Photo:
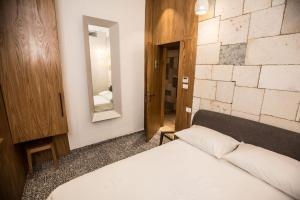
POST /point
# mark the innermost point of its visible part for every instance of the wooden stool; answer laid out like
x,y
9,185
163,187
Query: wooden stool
x,y
168,134
43,147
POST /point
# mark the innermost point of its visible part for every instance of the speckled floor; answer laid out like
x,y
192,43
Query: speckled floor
x,y
81,161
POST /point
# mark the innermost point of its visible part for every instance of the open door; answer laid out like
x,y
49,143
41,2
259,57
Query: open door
x,y
156,74
153,91
152,77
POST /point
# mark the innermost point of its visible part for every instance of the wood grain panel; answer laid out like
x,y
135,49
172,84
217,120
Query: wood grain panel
x,y
148,62
186,69
187,65
190,21
30,70
12,170
175,21
168,19
152,76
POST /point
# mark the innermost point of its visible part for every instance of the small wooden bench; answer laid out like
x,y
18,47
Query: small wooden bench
x,y
30,150
167,134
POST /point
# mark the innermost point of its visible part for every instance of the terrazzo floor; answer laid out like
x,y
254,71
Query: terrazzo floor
x,y
81,161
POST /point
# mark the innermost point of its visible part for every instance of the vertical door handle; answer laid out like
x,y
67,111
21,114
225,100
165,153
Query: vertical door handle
x,y
61,104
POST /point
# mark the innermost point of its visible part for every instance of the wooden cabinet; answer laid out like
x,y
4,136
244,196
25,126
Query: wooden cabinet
x,y
30,70
12,170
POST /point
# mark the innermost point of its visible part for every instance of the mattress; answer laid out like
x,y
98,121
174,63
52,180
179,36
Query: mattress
x,y
102,104
174,171
106,94
99,100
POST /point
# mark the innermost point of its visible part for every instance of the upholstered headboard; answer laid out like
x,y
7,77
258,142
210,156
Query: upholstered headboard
x,y
275,139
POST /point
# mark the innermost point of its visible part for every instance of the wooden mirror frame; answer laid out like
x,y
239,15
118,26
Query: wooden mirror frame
x,y
115,67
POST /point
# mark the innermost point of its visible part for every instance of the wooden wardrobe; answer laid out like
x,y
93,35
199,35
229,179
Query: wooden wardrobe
x,y
12,169
30,71
33,106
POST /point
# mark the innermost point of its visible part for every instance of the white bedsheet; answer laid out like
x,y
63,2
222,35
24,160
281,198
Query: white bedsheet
x,y
106,94
174,171
100,100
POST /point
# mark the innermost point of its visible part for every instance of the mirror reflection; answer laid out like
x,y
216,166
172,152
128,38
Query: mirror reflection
x,y
100,56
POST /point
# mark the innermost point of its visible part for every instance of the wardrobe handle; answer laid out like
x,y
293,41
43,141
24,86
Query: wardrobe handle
x,y
61,104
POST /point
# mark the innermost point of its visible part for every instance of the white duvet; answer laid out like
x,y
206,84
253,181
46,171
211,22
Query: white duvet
x,y
174,171
100,100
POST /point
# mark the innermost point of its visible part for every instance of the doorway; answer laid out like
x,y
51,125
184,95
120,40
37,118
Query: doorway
x,y
169,79
162,96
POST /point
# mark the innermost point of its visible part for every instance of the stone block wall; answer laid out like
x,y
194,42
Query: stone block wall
x,y
248,61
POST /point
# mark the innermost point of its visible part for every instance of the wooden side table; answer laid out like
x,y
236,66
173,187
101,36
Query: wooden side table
x,y
38,148
168,134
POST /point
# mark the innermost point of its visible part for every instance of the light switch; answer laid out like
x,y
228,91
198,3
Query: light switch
x,y
185,86
188,109
185,80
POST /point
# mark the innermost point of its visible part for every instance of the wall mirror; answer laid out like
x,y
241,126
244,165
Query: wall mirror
x,y
101,38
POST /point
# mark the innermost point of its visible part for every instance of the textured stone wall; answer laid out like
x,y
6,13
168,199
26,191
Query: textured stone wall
x,y
248,61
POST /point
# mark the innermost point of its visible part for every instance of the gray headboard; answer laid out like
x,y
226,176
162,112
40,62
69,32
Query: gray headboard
x,y
275,139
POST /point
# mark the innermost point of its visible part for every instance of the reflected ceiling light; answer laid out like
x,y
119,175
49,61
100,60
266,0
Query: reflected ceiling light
x,y
201,7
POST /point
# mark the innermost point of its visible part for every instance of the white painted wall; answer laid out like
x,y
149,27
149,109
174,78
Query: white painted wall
x,y
130,14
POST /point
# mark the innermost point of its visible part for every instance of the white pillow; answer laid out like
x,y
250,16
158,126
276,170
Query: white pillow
x,y
208,140
280,171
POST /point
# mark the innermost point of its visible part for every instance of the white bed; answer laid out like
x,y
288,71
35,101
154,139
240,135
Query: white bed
x,y
174,171
103,101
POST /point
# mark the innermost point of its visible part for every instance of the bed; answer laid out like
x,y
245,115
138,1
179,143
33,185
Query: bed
x,y
180,171
103,101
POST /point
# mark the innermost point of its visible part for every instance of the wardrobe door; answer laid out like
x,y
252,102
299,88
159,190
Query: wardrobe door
x,y
30,71
12,170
